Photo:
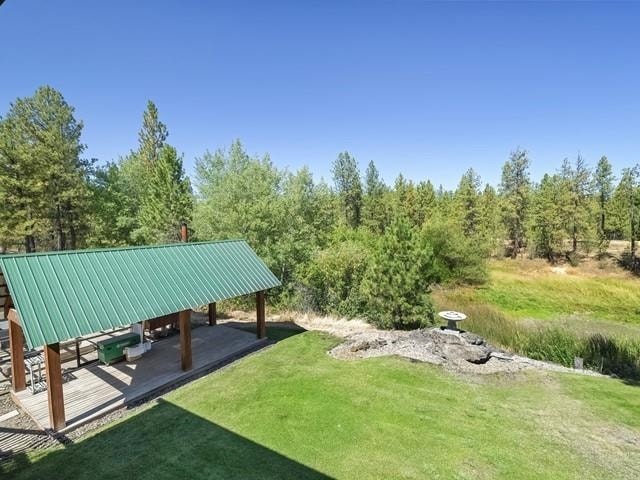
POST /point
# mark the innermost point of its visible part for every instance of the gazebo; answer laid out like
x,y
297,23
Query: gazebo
x,y
56,296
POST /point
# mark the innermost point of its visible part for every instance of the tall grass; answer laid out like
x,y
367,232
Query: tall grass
x,y
541,340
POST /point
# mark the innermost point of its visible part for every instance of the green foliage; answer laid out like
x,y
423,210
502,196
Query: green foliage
x,y
168,201
396,284
113,213
44,193
284,217
467,202
375,210
515,188
346,177
603,179
547,227
577,184
333,276
457,258
490,232
152,136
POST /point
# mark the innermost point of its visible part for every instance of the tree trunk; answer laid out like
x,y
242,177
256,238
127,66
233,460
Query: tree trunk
x,y
73,238
29,243
60,240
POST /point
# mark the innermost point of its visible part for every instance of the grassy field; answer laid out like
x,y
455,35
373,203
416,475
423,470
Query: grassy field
x,y
585,299
535,289
292,411
556,313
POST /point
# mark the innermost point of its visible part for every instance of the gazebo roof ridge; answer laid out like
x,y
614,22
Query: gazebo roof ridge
x,y
117,249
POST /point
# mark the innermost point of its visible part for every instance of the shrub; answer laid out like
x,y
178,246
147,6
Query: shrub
x,y
396,284
456,258
332,278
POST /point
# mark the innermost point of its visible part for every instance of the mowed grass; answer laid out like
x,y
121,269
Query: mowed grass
x,y
292,411
533,289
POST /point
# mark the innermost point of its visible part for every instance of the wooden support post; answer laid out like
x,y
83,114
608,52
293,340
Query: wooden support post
x,y
185,340
261,326
53,371
16,348
78,353
184,233
212,314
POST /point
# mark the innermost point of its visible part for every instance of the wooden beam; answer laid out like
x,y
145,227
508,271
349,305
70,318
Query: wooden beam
x,y
12,316
261,326
53,371
8,303
185,340
212,314
16,348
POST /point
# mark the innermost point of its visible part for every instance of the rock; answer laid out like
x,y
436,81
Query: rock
x,y
501,356
359,346
469,353
472,338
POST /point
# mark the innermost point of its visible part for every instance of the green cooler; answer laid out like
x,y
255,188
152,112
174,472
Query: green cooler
x,y
112,349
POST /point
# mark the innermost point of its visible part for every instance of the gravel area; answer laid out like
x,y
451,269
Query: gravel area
x,y
458,351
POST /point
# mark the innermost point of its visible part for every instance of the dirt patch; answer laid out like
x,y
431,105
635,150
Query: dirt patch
x,y
559,270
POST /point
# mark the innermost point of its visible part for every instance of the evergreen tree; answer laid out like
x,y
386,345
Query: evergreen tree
x,y
136,172
603,179
625,209
346,177
490,234
396,284
426,199
515,189
577,181
42,169
168,200
113,216
152,136
467,199
374,210
405,201
547,217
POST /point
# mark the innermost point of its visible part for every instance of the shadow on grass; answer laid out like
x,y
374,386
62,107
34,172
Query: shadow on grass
x,y
276,331
164,441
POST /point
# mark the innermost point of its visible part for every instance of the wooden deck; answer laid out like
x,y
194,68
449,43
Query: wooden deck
x,y
97,389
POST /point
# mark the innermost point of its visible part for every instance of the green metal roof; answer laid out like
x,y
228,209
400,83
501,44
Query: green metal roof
x,y
63,295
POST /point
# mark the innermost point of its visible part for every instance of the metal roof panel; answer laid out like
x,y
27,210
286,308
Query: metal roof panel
x,y
63,295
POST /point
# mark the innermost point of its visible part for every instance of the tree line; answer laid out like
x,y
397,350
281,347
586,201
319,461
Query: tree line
x,y
355,247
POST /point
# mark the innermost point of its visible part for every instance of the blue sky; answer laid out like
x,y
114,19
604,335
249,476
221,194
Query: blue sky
x,y
426,89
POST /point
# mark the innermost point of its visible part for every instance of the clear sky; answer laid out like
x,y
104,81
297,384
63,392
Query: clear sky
x,y
426,89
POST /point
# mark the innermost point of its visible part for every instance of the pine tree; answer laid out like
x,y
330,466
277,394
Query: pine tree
x,y
625,209
547,217
374,209
42,169
467,200
515,189
426,199
346,177
396,284
490,233
577,181
168,201
152,136
603,179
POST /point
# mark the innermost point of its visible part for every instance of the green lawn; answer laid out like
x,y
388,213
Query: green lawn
x,y
292,411
531,289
